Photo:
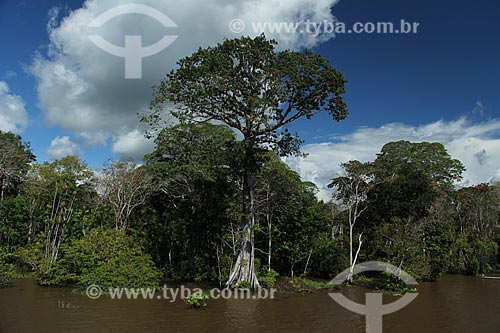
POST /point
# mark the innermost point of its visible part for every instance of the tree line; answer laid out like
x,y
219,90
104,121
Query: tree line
x,y
177,216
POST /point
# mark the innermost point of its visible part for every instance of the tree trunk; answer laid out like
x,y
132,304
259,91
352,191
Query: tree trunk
x,y
269,246
30,228
351,265
2,189
307,262
269,229
244,269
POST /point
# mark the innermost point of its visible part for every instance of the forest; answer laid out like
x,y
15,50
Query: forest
x,y
214,202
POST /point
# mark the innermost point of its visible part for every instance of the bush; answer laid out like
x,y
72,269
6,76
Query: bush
x,y
474,267
198,300
487,252
244,285
7,272
303,285
104,258
29,257
393,285
328,258
267,277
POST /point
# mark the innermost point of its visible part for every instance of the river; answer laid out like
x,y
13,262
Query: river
x,y
453,304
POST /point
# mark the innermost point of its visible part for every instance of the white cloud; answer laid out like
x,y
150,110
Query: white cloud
x,y
61,147
81,88
479,108
13,115
92,139
53,18
132,145
476,145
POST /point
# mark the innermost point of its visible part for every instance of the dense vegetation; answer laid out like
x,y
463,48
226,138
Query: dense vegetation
x,y
58,221
207,206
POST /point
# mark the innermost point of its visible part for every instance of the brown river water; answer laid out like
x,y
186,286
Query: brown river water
x,y
453,304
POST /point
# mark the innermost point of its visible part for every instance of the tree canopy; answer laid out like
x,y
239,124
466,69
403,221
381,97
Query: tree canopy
x,y
15,157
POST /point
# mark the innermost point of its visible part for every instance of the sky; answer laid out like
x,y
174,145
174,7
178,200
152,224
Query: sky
x,y
65,95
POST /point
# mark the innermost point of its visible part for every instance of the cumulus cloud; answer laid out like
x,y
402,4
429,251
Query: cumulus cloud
x,y
81,88
13,115
61,147
476,145
132,145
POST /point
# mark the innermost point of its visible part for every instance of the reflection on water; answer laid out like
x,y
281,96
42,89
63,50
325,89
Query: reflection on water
x,y
454,304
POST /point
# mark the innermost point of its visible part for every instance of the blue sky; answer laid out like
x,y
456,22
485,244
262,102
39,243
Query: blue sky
x,y
441,84
439,73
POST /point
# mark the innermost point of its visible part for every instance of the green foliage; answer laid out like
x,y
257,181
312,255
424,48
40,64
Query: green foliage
x,y
188,223
244,285
190,226
247,85
487,254
429,158
328,258
197,300
297,237
354,186
438,239
7,269
15,157
474,267
409,194
31,255
107,258
14,221
298,85
307,285
267,277
390,284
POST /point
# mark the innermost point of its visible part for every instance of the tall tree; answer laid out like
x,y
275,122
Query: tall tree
x,y
247,85
429,158
413,181
351,191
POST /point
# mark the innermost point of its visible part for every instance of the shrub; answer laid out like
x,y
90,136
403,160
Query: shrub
x,y
6,269
392,285
198,300
328,258
244,285
487,252
304,285
104,258
267,277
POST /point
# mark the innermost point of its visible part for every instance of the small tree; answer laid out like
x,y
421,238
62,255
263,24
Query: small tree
x,y
245,84
352,192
